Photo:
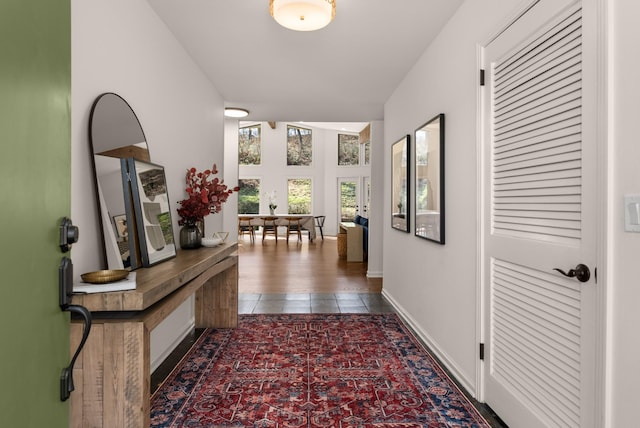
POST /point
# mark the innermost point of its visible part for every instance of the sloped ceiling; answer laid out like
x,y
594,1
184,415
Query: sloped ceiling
x,y
342,73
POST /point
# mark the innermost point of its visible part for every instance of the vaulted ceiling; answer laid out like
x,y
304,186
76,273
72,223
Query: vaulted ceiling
x,y
342,73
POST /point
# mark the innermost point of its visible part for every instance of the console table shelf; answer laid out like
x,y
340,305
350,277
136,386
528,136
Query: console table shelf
x,y
112,374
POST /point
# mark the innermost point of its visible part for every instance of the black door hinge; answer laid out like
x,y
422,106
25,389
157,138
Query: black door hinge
x,y
482,351
481,77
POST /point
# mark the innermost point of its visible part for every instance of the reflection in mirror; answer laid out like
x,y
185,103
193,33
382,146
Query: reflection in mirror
x,y
429,167
115,133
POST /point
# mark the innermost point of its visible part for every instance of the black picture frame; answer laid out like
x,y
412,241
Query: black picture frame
x,y
429,180
151,210
400,185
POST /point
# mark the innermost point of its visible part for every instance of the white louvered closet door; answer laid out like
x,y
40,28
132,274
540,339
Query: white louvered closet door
x,y
539,215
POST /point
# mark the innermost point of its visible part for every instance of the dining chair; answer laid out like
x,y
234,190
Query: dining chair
x,y
294,227
270,227
245,226
320,224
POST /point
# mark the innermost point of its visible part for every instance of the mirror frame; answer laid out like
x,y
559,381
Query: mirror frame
x,y
429,180
149,196
400,185
112,254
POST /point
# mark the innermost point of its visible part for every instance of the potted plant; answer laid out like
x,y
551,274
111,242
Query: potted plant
x,y
205,195
271,199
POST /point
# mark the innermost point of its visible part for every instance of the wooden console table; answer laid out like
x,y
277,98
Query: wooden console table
x,y
112,374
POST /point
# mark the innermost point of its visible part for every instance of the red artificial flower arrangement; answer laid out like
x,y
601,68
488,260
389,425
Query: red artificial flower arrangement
x,y
206,195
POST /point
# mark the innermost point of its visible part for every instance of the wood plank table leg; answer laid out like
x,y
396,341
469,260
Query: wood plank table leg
x,y
114,376
216,303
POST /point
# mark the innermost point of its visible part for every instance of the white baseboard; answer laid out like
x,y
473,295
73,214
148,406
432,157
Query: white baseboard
x,y
433,346
374,274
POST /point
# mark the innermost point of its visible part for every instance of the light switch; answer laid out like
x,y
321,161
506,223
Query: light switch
x,y
632,213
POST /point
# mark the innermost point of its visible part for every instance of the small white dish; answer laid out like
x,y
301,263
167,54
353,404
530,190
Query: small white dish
x,y
211,242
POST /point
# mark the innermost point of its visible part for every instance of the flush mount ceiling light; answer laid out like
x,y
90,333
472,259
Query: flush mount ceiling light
x,y
235,112
303,15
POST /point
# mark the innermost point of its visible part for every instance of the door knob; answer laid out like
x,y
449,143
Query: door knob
x,y
581,273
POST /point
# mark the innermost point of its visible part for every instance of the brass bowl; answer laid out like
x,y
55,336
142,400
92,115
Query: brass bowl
x,y
104,276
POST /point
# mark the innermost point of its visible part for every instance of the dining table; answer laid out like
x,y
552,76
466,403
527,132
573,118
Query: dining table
x,y
306,220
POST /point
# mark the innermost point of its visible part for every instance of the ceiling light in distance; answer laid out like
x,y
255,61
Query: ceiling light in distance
x,y
235,112
303,15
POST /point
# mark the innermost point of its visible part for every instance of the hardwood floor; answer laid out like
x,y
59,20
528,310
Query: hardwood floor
x,y
299,267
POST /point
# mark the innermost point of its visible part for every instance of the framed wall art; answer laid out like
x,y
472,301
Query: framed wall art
x,y
429,180
400,167
151,210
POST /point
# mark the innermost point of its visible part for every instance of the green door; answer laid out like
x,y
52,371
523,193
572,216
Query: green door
x,y
35,193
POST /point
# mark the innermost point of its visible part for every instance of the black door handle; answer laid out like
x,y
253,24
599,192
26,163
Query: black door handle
x,y
68,234
581,273
66,378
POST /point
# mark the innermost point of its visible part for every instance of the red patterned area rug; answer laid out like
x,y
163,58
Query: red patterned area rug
x,y
334,370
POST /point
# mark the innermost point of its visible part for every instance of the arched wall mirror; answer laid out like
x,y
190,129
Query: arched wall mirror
x,y
114,134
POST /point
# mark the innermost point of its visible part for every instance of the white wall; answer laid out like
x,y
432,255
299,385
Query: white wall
x,y
121,46
230,221
624,167
378,206
443,306
435,285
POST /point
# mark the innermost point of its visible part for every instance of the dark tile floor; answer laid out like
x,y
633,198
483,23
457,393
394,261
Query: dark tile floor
x,y
312,303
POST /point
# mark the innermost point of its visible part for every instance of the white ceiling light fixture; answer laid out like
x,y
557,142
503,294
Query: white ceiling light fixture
x,y
235,112
303,15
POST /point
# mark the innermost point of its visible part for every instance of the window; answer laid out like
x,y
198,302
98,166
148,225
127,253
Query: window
x,y
367,152
299,146
249,145
348,150
249,196
348,194
299,195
